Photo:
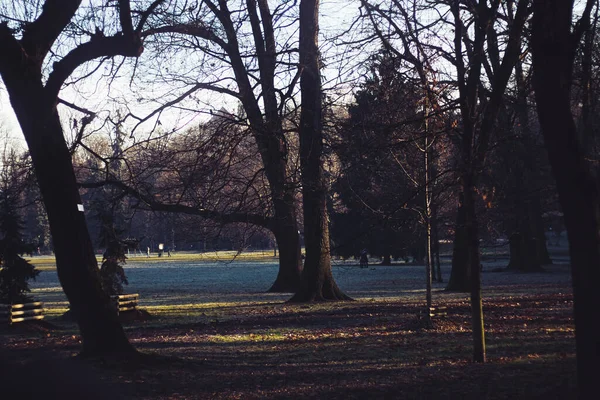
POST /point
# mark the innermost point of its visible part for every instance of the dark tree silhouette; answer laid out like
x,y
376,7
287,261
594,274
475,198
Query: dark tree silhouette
x,y
317,278
554,44
34,99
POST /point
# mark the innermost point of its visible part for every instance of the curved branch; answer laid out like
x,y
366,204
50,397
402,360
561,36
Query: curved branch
x,y
98,46
183,96
188,29
146,15
148,200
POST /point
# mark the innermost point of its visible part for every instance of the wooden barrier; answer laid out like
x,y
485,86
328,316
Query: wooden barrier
x,y
12,313
439,311
125,302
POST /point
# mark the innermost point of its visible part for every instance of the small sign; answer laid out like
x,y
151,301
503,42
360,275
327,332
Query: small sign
x,y
80,207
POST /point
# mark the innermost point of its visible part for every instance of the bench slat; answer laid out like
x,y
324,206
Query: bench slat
x,y
21,319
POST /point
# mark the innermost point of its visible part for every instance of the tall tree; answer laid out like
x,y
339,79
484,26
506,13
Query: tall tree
x,y
482,68
254,67
479,109
34,97
554,44
404,25
317,278
380,177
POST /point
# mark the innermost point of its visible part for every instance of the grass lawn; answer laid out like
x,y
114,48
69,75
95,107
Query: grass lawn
x,y
254,346
48,263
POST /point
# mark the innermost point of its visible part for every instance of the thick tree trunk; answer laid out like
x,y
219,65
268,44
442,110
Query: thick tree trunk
x,y
553,51
317,278
523,245
285,226
460,275
530,212
290,260
515,245
75,260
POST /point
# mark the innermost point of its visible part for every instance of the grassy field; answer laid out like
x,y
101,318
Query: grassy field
x,y
216,340
48,263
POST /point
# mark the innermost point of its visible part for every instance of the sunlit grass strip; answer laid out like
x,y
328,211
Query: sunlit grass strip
x,y
48,263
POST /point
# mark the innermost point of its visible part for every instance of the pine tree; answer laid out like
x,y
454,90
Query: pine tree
x,y
112,273
15,271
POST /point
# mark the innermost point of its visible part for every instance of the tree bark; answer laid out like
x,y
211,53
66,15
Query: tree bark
x,y
290,261
553,46
317,278
76,263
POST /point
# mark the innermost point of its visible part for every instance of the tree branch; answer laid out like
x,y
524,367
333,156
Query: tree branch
x,y
40,35
98,46
188,29
146,14
148,200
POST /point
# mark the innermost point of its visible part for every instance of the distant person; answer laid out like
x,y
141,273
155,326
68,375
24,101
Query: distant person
x,y
148,251
364,260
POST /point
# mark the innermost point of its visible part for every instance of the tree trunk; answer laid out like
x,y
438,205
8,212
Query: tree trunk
x,y
317,278
268,132
515,245
76,263
460,275
553,51
474,262
523,245
530,174
436,244
387,260
428,217
539,231
290,261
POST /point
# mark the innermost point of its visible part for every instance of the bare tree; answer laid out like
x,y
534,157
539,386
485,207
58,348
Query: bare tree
x,y
34,87
317,278
242,49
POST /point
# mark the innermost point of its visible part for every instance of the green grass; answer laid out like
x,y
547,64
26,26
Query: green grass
x,y
48,263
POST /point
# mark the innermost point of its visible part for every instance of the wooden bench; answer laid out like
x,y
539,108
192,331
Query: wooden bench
x,y
125,302
13,313
439,311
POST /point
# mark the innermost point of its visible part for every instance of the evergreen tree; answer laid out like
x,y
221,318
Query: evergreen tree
x,y
378,189
14,270
112,273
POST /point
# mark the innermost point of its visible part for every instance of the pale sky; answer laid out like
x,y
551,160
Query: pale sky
x,y
335,15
